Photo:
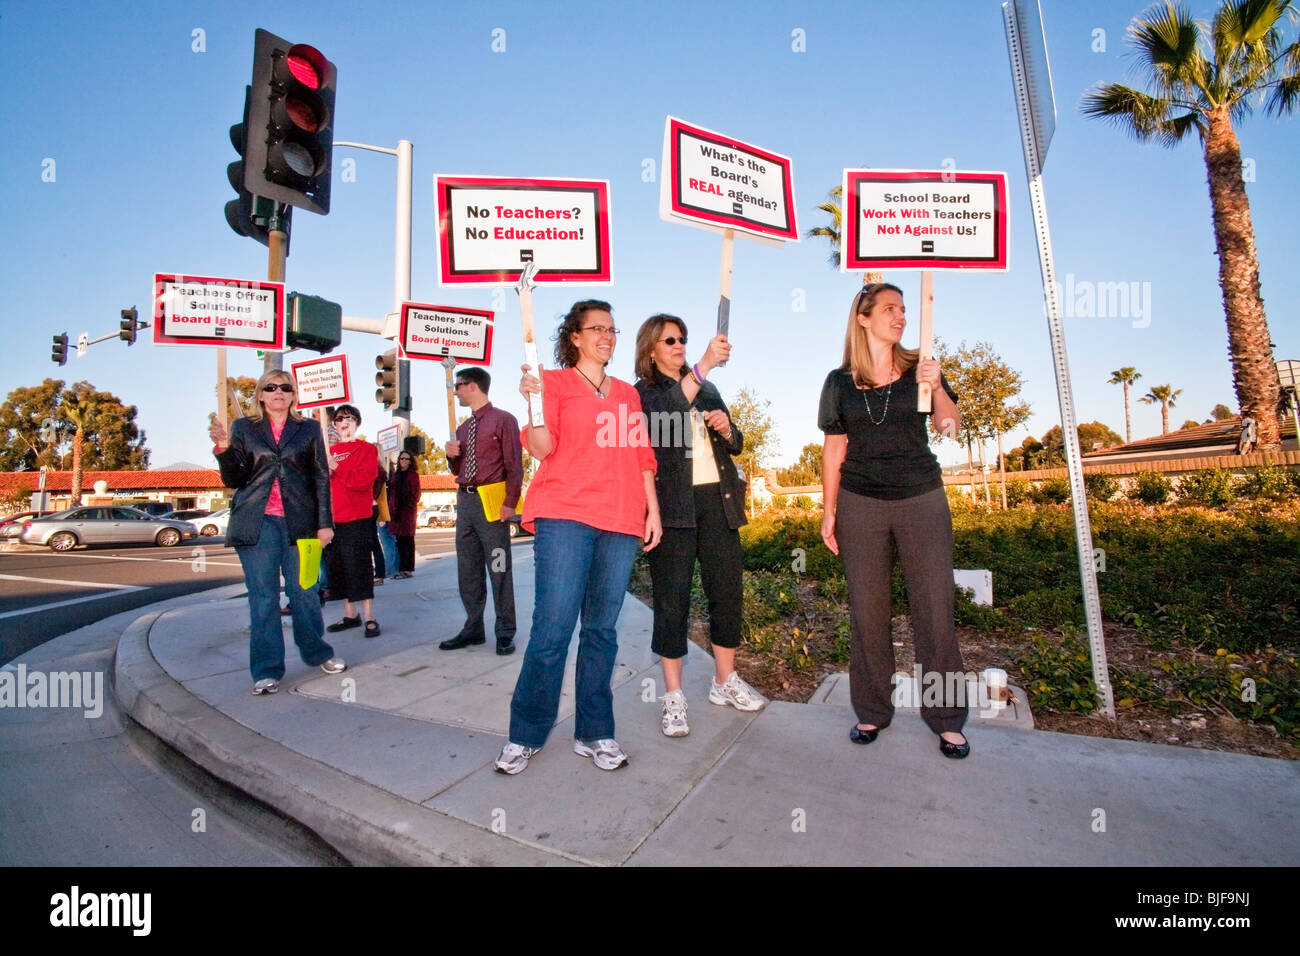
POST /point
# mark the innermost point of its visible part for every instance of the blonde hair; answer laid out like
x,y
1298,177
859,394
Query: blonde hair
x,y
857,347
276,375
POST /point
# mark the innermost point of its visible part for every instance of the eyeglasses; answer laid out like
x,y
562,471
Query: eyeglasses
x,y
345,417
601,329
458,385
673,340
405,458
282,387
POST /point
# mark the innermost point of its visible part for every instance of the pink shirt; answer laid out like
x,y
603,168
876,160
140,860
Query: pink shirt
x,y
602,447
274,503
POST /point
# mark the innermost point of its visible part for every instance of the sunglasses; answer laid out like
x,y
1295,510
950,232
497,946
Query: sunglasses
x,y
282,387
673,340
345,417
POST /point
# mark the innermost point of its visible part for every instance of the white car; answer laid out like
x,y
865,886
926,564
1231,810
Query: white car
x,y
213,524
439,516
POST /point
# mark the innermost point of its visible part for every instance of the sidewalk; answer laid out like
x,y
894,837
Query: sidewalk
x,y
391,762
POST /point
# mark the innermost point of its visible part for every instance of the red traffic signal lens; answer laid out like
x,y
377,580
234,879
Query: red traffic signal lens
x,y
306,64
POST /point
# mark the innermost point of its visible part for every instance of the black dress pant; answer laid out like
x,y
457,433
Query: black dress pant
x,y
484,546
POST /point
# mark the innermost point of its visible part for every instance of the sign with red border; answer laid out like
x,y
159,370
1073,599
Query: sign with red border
x,y
488,228
924,219
322,381
440,331
717,182
389,439
202,310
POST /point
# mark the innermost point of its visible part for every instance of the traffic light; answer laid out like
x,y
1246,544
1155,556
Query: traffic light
x,y
250,215
414,445
289,150
313,323
129,324
386,378
404,385
60,350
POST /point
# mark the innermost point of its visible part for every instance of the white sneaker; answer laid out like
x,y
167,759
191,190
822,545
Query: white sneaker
x,y
335,665
607,754
674,720
265,686
736,693
514,758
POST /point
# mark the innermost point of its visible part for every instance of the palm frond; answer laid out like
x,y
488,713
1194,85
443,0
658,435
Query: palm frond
x,y
1166,40
1139,114
1285,97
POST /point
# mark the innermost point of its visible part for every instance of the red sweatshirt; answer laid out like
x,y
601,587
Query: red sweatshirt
x,y
352,482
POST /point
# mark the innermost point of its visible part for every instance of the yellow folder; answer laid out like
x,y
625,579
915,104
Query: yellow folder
x,y
493,497
308,562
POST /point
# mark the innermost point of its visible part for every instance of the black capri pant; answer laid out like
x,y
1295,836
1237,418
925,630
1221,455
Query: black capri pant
x,y
672,564
352,573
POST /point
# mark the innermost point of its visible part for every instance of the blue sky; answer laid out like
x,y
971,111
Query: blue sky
x,y
137,122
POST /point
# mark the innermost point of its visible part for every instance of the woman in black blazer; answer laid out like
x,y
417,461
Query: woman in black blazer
x,y
701,504
276,461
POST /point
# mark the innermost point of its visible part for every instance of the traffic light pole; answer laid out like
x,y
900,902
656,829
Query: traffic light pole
x,y
276,252
402,237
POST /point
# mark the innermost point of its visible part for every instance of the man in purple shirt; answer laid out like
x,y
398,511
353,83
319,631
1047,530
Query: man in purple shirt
x,y
486,451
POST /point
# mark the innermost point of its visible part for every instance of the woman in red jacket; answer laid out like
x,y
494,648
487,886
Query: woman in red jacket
x,y
354,466
403,504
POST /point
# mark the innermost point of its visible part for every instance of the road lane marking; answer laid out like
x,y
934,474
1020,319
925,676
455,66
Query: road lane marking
x,y
119,589
71,584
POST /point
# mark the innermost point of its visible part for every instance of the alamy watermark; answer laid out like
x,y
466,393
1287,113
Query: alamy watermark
x,y
1085,299
83,690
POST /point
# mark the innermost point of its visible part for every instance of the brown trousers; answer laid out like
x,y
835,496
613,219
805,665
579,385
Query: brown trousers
x,y
921,527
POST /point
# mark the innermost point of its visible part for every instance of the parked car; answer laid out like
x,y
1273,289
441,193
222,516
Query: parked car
x,y
189,515
439,516
213,524
155,508
104,525
12,526
517,529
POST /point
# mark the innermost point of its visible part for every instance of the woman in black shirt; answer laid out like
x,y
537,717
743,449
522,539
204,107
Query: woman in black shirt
x,y
881,481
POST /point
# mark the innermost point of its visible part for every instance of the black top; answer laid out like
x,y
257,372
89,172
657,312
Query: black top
x,y
667,412
890,460
254,461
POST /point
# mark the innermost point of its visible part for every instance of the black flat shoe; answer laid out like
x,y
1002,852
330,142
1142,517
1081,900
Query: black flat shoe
x,y
955,751
372,628
345,624
860,736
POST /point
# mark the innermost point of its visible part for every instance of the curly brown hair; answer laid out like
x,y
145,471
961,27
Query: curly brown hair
x,y
566,353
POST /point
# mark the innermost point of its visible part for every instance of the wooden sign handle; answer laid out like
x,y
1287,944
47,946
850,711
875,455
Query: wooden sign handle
x,y
923,396
449,365
525,290
724,285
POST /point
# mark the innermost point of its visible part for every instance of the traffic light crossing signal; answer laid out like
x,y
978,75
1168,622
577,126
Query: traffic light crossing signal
x,y
59,353
394,381
129,325
288,153
313,323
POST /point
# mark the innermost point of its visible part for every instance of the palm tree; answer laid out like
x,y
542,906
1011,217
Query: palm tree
x,y
1165,395
78,413
1126,376
832,232
1204,83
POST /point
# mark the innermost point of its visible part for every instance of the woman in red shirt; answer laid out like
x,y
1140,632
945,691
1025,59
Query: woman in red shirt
x,y
354,466
590,504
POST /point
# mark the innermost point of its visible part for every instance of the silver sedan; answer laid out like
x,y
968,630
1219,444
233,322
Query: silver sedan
x,y
104,525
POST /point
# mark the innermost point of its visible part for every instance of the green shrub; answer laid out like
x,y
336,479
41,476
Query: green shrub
x,y
1210,486
1054,491
803,503
1058,674
1018,492
1100,486
1268,482
780,502
1151,488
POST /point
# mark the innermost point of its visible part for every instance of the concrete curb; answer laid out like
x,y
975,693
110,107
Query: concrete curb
x,y
367,825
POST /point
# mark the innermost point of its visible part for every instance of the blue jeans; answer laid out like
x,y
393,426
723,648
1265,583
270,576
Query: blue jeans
x,y
275,553
388,544
578,569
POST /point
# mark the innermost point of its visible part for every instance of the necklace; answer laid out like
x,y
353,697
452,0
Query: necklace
x,y
885,413
603,377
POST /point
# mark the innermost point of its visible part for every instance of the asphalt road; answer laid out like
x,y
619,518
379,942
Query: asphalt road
x,y
44,594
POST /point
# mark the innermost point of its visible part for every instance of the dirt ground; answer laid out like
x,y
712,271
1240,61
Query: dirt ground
x,y
1202,728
